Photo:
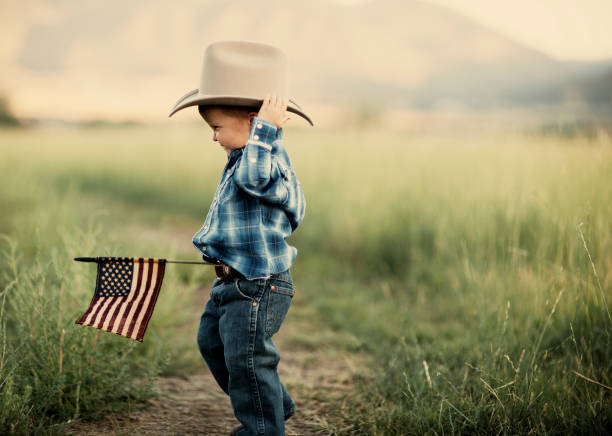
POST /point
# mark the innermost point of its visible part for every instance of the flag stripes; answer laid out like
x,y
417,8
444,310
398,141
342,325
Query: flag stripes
x,y
125,313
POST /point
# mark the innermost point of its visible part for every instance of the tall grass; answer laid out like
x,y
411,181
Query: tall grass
x,y
476,271
478,280
52,372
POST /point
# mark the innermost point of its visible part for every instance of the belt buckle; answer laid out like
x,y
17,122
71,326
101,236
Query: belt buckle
x,y
223,271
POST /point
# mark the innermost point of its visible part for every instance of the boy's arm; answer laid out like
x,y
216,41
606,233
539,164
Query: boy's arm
x,y
262,174
257,170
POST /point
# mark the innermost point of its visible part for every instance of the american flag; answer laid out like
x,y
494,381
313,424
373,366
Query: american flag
x,y
125,295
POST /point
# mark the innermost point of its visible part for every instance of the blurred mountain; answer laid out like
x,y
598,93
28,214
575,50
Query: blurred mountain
x,y
6,116
395,53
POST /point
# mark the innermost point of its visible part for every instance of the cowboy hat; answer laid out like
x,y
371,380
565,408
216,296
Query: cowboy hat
x,y
240,73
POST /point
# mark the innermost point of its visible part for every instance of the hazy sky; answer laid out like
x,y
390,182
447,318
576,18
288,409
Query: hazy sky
x,y
118,59
564,29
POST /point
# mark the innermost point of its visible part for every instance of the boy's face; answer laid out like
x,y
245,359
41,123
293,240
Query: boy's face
x,y
231,130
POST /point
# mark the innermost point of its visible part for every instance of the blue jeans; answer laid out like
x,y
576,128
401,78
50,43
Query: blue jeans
x,y
235,339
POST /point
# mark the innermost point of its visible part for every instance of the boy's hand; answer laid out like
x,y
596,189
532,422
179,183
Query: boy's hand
x,y
274,110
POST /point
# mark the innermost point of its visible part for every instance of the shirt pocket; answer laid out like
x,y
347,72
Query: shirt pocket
x,y
279,301
229,191
282,188
228,188
284,172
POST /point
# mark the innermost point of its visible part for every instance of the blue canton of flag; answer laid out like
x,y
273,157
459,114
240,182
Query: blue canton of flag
x,y
115,278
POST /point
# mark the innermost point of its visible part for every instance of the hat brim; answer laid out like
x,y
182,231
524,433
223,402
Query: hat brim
x,y
194,98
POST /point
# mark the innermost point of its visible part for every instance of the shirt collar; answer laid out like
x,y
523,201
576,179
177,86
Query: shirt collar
x,y
233,156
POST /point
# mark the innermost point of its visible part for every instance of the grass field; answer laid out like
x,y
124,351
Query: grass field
x,y
476,271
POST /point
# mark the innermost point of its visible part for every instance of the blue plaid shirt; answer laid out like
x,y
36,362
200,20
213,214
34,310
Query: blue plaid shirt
x,y
258,203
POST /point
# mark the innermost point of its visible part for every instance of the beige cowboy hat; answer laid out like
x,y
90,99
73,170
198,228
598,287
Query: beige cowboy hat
x,y
240,73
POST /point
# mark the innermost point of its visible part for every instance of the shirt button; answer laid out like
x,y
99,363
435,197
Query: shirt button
x,y
203,247
259,126
256,137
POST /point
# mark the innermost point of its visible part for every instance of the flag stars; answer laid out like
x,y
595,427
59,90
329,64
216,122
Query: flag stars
x,y
116,277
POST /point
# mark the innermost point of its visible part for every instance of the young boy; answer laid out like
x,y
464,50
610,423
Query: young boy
x,y
258,203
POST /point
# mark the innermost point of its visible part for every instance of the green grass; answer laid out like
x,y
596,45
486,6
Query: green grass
x,y
459,264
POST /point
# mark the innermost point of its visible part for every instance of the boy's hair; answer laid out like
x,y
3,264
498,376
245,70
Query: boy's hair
x,y
235,111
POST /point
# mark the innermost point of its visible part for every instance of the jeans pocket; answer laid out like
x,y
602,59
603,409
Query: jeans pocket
x,y
245,289
279,300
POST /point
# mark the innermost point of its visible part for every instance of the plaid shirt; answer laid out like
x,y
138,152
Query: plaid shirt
x,y
258,203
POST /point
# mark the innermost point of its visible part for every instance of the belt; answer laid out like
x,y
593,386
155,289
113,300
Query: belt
x,y
222,271
225,272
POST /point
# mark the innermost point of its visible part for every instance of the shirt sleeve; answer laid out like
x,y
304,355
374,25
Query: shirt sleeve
x,y
258,173
263,174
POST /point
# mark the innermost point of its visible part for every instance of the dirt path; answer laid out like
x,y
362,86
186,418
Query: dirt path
x,y
318,380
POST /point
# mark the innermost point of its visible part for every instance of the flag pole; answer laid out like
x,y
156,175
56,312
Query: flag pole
x,y
190,262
